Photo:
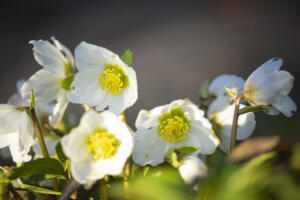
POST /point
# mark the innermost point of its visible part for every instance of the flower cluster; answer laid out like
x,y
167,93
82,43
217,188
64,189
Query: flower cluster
x,y
178,133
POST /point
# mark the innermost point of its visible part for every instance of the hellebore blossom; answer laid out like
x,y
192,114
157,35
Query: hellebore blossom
x,y
54,80
192,168
103,80
178,124
16,132
99,146
220,114
270,86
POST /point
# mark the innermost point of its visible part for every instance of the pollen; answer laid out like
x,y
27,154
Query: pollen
x,y
173,125
102,144
113,79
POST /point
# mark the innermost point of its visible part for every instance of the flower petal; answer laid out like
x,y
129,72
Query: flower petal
x,y
74,144
127,97
10,119
86,88
285,105
147,119
89,56
59,110
219,104
149,148
231,81
274,64
191,111
81,170
49,57
192,168
203,131
64,49
46,87
8,139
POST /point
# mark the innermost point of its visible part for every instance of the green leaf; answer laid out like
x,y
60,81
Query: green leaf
x,y
127,57
253,109
32,100
39,166
60,154
204,90
187,149
232,92
36,189
3,178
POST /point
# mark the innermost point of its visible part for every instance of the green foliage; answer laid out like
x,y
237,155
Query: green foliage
x,y
253,109
36,189
161,183
39,166
204,90
127,57
4,180
61,156
257,179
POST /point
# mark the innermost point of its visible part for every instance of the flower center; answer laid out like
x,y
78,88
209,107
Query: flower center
x,y
173,125
102,144
113,79
250,93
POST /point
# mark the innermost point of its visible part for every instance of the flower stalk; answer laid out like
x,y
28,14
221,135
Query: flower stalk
x,y
42,143
235,121
103,189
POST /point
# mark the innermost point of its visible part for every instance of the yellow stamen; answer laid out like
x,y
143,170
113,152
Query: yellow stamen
x,y
113,79
173,126
102,144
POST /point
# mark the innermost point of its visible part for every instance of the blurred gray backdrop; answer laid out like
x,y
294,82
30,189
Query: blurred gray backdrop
x,y
177,45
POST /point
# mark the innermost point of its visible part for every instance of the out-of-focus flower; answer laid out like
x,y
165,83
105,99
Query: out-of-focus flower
x,y
230,81
192,168
50,144
103,80
52,82
99,146
16,132
270,86
220,114
178,124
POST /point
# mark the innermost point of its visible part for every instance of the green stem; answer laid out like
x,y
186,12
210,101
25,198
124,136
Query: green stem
x,y
235,122
44,149
103,189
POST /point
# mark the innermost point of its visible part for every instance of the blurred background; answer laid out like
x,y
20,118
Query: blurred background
x,y
177,45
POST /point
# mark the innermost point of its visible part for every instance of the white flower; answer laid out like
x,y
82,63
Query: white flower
x,y
220,114
178,124
16,132
192,168
103,80
230,81
52,82
99,146
270,86
43,110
